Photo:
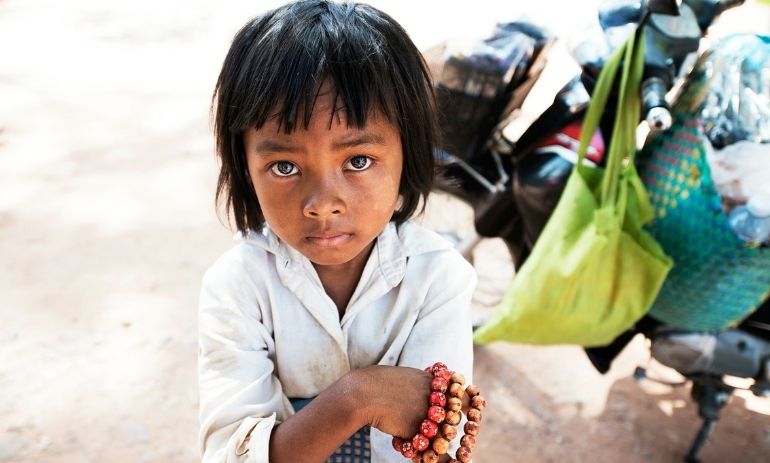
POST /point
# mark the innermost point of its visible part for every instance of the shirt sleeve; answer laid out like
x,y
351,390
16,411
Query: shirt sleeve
x,y
442,333
241,398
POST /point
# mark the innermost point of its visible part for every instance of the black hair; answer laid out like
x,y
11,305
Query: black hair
x,y
275,67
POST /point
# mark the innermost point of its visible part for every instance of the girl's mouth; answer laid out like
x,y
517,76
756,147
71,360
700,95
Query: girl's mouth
x,y
329,239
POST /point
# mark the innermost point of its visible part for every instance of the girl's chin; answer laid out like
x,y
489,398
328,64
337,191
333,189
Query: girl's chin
x,y
331,257
335,256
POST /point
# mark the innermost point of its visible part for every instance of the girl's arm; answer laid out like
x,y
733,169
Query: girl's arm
x,y
392,399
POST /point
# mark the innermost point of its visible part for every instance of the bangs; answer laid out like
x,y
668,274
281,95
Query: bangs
x,y
284,70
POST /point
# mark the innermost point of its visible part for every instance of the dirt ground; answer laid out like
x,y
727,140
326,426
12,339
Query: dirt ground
x,y
107,223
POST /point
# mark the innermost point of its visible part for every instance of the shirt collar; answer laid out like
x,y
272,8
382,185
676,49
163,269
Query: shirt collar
x,y
392,249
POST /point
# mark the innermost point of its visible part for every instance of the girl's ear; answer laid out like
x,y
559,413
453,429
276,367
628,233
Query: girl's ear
x,y
399,203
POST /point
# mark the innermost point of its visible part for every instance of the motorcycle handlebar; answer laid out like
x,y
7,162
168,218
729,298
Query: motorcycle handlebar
x,y
707,11
655,109
727,4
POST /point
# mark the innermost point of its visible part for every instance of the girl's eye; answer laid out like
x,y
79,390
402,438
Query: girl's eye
x,y
359,162
284,168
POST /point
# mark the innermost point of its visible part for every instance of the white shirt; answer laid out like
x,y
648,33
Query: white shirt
x,y
269,331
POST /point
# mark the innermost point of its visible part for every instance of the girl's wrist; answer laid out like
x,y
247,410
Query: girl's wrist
x,y
355,389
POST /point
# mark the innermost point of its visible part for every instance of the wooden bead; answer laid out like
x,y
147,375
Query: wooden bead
x,y
456,390
439,384
458,378
478,402
448,431
468,441
455,404
440,445
463,454
453,460
429,456
417,458
472,428
472,390
452,417
474,414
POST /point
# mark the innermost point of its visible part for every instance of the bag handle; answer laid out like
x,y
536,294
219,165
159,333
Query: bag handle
x,y
623,145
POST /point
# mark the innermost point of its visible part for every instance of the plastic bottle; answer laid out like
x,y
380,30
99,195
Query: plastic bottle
x,y
751,221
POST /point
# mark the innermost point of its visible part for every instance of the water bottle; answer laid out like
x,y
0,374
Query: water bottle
x,y
751,221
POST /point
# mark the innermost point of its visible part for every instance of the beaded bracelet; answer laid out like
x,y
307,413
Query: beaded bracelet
x,y
444,414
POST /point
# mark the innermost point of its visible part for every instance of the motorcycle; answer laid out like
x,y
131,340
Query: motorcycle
x,y
513,186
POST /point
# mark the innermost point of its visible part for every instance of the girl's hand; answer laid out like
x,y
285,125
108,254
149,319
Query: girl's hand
x,y
393,399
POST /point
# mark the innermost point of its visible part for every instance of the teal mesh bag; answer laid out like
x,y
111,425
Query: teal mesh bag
x,y
717,279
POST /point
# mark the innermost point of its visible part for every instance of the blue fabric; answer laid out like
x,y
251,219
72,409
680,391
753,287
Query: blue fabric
x,y
356,449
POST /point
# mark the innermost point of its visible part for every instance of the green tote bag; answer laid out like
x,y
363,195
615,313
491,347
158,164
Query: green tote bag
x,y
594,271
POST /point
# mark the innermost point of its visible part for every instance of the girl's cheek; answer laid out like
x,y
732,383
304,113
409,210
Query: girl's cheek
x,y
381,198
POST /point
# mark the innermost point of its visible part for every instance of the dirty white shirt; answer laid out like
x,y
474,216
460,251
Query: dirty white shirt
x,y
268,331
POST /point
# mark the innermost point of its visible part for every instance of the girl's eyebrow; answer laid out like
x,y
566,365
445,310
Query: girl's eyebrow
x,y
365,138
271,145
274,146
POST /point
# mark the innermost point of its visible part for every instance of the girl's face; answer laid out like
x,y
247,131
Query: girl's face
x,y
327,191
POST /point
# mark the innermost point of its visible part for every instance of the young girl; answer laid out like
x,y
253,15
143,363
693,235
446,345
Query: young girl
x,y
324,120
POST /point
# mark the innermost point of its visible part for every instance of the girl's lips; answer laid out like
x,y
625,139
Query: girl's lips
x,y
328,240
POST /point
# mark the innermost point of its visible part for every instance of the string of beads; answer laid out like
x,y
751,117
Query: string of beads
x,y
444,414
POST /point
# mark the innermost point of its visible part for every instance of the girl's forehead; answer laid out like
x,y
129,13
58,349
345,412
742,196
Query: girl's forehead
x,y
327,107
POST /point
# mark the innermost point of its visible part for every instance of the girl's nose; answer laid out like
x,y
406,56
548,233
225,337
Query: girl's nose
x,y
324,201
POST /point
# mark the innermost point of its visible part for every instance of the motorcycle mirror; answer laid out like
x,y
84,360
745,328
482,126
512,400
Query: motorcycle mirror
x,y
667,7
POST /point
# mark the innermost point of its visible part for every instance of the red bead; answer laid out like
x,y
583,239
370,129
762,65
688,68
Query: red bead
x,y
446,374
437,398
420,442
436,414
439,384
407,450
438,366
428,429
397,442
